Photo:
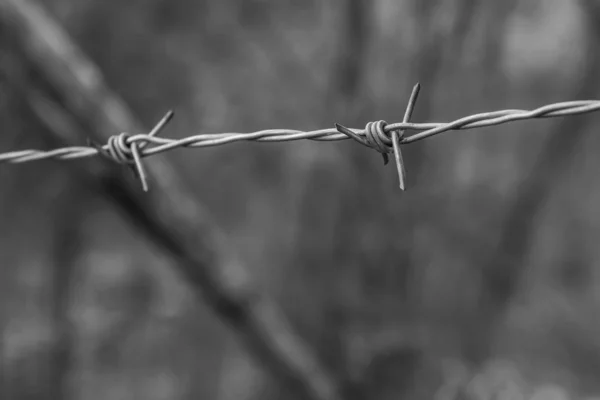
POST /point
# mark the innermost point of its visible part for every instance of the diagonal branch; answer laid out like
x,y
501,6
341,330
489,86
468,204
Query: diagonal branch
x,y
502,272
66,247
169,215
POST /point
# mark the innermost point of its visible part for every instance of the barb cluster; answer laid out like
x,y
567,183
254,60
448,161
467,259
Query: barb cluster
x,y
129,149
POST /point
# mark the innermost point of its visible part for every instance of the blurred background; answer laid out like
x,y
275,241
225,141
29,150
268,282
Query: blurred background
x,y
478,282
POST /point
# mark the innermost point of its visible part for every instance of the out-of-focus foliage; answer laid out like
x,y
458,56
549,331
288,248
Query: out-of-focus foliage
x,y
481,279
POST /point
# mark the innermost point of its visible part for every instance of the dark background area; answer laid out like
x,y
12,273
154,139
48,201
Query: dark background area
x,y
481,279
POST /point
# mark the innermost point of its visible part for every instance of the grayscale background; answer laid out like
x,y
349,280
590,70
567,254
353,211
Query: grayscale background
x,y
481,281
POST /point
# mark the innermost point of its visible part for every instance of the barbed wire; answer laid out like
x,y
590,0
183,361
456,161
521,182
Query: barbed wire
x,y
385,138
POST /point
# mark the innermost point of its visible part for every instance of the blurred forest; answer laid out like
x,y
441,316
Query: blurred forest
x,y
479,281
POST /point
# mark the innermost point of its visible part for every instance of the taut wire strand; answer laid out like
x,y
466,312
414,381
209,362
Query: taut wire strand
x,y
129,149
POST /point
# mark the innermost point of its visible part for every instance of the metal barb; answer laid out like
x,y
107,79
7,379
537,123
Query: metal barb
x,y
162,123
397,135
141,171
348,132
136,148
386,159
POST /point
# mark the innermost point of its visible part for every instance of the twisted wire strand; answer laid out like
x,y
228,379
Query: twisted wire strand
x,y
149,144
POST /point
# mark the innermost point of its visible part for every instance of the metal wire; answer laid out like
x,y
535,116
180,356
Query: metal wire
x,y
130,149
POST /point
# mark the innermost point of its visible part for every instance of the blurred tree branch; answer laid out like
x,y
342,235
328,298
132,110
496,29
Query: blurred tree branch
x,y
67,241
346,83
317,256
169,215
592,11
498,14
466,12
439,43
501,273
347,71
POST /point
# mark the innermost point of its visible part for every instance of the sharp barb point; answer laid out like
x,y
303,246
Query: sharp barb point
x,y
169,116
399,160
348,132
162,123
138,166
341,128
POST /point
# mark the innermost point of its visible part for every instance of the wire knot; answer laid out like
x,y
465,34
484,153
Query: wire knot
x,y
375,136
122,150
